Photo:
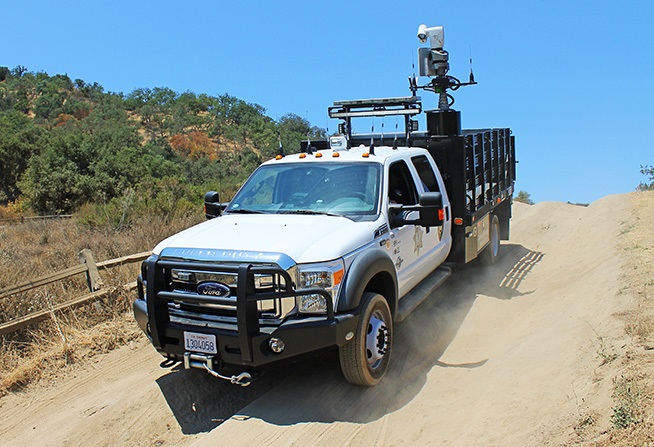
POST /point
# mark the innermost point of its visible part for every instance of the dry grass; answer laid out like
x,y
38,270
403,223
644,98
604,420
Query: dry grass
x,y
632,413
638,243
32,249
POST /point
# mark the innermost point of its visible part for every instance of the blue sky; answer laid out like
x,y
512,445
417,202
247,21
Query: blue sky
x,y
573,79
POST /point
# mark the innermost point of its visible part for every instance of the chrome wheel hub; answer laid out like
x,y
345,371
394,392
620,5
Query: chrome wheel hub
x,y
376,339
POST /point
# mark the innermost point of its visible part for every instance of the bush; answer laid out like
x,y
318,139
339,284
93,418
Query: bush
x,y
523,197
168,199
649,172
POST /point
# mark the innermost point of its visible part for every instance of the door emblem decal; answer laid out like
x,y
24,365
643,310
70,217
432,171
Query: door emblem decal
x,y
417,240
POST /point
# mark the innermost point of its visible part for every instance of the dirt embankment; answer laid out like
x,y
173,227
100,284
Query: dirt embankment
x,y
527,354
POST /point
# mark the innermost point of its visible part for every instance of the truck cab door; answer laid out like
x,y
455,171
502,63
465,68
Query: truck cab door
x,y
407,242
439,239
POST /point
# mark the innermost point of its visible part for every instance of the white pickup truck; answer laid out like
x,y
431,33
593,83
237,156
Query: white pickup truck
x,y
326,248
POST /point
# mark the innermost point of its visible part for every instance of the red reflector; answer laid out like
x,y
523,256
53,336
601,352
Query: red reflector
x,y
441,214
458,221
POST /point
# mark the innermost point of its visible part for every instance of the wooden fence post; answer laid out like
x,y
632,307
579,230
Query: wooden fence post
x,y
93,278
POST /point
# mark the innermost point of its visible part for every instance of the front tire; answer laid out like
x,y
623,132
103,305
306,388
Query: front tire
x,y
364,360
492,251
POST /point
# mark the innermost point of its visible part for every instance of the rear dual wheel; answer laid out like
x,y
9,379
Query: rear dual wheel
x,y
492,251
364,359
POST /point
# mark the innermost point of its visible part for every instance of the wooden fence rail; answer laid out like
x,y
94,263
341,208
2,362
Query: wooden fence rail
x,y
94,281
31,218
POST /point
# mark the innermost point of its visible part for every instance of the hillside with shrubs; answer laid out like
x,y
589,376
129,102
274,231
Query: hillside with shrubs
x,y
68,145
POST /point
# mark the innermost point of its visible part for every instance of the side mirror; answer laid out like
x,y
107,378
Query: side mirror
x,y
212,206
430,211
431,199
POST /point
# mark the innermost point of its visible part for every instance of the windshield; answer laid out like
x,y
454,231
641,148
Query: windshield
x,y
343,189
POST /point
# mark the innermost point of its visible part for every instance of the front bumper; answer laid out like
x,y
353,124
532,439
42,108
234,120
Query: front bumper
x,y
247,342
300,336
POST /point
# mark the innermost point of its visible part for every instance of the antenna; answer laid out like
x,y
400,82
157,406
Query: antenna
x,y
413,84
395,138
472,76
280,152
306,118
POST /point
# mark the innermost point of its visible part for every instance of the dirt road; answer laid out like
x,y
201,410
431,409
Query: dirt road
x,y
506,356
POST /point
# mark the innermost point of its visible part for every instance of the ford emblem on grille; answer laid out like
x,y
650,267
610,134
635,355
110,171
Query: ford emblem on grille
x,y
213,288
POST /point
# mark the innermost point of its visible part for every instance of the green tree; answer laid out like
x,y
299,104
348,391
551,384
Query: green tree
x,y
4,73
84,145
524,197
649,172
24,88
48,105
53,178
18,71
18,142
293,129
7,98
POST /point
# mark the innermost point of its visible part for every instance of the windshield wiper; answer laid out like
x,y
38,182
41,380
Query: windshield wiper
x,y
244,211
310,212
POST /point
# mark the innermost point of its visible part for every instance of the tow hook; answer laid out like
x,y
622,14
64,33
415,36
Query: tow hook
x,y
201,361
243,379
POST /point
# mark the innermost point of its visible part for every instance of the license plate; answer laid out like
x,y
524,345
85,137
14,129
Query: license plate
x,y
205,343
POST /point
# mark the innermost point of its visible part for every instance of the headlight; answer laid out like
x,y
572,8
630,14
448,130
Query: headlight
x,y
141,281
326,275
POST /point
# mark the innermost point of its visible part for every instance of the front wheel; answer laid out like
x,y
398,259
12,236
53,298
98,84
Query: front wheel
x,y
364,359
492,251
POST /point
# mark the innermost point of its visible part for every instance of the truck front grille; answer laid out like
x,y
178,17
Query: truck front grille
x,y
185,300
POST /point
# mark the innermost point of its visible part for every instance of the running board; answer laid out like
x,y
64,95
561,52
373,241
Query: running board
x,y
420,292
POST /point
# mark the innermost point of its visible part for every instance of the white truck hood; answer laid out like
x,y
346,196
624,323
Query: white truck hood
x,y
304,238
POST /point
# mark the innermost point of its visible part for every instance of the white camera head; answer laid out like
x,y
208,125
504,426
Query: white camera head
x,y
422,33
435,35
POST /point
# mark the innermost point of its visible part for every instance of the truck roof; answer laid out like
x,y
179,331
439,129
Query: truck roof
x,y
357,154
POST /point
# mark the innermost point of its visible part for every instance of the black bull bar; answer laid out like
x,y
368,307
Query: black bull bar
x,y
247,297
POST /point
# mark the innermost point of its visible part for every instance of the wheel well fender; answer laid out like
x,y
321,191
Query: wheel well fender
x,y
372,271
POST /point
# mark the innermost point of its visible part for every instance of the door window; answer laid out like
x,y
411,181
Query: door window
x,y
426,173
401,189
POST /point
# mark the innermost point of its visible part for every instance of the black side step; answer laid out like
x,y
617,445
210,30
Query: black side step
x,y
420,292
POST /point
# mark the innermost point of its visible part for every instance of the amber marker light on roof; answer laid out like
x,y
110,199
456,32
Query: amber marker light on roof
x,y
279,157
318,155
336,154
303,155
365,155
